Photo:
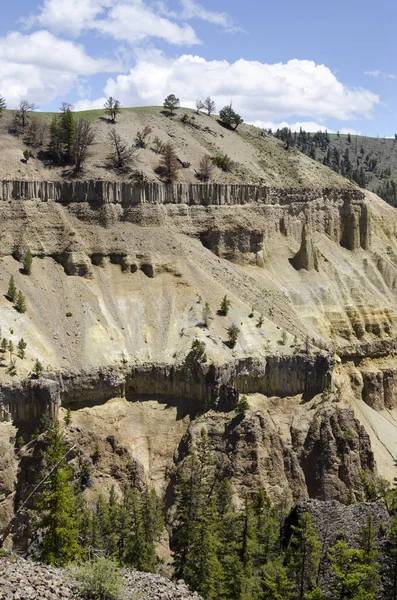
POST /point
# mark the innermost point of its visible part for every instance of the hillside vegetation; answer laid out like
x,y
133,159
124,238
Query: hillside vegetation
x,y
247,155
369,162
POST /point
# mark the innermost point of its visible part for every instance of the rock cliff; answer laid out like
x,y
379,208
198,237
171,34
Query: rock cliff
x,y
126,277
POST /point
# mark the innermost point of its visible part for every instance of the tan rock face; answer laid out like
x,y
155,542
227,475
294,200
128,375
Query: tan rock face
x,y
120,281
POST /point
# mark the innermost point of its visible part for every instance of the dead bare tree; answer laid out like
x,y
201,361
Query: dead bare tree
x,y
84,138
199,105
123,156
25,108
206,168
209,105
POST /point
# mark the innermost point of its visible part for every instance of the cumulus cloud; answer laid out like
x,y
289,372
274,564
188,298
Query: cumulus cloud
x,y
67,16
259,91
41,67
133,22
126,20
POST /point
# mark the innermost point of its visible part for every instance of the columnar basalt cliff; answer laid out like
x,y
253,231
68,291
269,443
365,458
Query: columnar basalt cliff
x,y
106,192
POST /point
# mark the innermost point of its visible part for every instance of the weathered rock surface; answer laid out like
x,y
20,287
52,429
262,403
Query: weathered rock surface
x,y
334,521
282,446
24,580
121,277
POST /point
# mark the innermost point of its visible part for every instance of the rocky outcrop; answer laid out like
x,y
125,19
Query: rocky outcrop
x,y
32,581
335,454
323,456
306,257
29,400
334,521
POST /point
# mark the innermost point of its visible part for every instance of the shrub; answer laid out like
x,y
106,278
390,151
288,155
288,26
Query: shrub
x,y
224,162
198,350
99,580
158,145
142,137
38,368
69,314
233,333
207,314
242,405
68,417
260,321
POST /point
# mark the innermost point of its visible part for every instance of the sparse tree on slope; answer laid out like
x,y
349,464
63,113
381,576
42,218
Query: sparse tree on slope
x,y
27,262
12,290
206,168
83,140
171,103
230,117
122,156
25,108
209,105
169,165
112,108
3,105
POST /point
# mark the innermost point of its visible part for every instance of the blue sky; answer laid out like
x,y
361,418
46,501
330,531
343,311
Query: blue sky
x,y
315,63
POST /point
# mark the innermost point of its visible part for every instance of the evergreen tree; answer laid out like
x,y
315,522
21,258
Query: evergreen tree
x,y
21,348
27,262
391,570
55,143
353,577
20,303
225,305
3,105
68,132
112,108
230,117
12,290
169,165
229,546
171,103
276,583
303,555
55,506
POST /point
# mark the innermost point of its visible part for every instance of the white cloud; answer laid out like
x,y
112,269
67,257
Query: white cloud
x,y
89,104
310,126
346,130
193,10
380,74
266,92
68,16
133,22
126,20
40,67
